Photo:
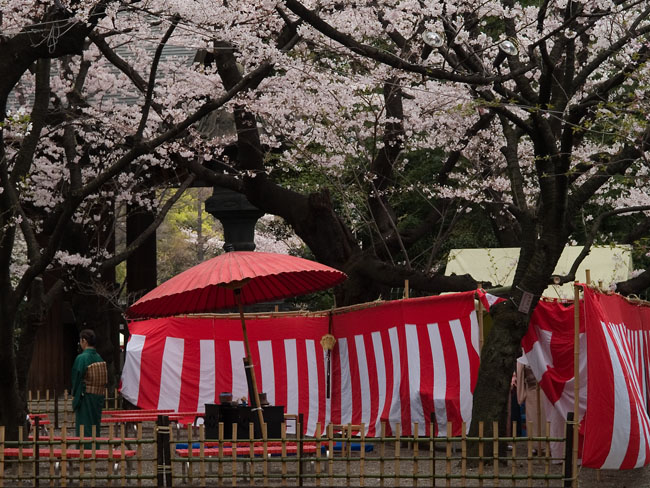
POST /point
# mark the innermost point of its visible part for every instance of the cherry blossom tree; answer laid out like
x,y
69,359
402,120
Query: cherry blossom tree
x,y
374,129
87,127
560,90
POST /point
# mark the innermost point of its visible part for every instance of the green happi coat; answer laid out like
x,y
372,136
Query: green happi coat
x,y
87,406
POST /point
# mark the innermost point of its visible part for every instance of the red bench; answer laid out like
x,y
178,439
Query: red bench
x,y
243,451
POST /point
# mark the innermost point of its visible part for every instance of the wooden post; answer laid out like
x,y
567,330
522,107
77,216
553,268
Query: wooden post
x,y
576,383
588,276
406,288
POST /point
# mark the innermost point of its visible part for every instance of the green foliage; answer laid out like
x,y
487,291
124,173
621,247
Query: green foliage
x,y
188,236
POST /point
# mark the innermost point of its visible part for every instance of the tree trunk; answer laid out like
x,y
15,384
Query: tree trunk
x,y
13,405
498,357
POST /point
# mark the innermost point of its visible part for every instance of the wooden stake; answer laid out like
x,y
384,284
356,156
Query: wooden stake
x,y
588,276
576,383
406,288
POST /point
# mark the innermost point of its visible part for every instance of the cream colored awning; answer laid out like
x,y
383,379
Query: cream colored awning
x,y
608,264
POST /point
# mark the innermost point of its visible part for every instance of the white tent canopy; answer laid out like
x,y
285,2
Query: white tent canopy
x,y
608,264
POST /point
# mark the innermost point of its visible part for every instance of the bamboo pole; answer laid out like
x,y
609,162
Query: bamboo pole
x,y
382,453
480,452
432,448
20,451
265,446
123,454
479,316
529,446
251,451
495,452
139,453
514,453
111,436
202,452
588,276
234,455
330,453
81,451
284,453
362,455
406,288
448,455
576,383
547,463
220,469
2,455
318,453
463,450
398,429
416,428
190,455
64,456
347,434
93,446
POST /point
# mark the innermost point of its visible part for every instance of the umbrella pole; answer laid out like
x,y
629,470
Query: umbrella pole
x,y
249,362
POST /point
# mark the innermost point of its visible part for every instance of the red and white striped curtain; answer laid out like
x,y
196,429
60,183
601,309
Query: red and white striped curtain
x,y
398,362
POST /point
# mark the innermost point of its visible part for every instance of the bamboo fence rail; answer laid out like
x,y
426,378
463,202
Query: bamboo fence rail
x,y
339,455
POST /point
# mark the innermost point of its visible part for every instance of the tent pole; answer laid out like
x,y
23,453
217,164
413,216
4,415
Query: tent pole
x,y
249,365
576,383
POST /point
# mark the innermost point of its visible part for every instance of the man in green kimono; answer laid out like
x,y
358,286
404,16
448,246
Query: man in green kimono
x,y
89,378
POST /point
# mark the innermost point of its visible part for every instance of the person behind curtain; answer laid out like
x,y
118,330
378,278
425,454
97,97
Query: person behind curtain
x,y
530,396
89,378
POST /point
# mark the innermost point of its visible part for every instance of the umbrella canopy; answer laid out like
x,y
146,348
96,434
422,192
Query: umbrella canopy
x,y
211,285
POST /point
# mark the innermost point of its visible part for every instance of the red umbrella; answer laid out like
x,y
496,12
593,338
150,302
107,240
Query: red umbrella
x,y
235,279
